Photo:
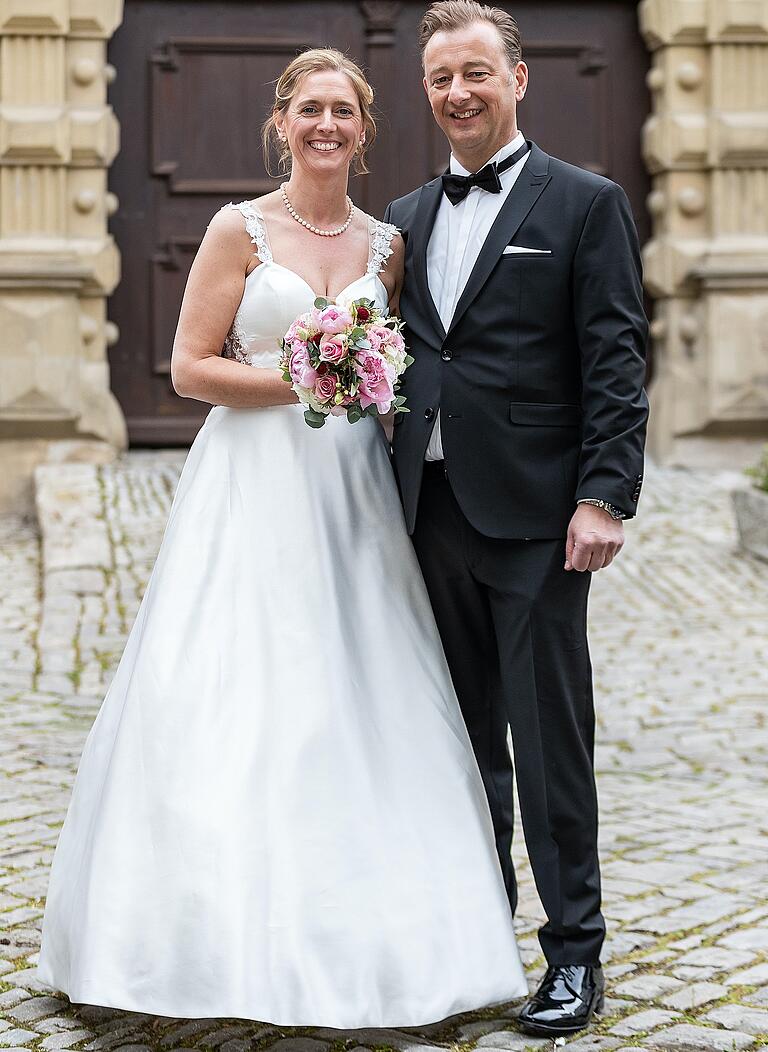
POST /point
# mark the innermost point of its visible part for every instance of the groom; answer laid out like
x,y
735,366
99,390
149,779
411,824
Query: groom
x,y
521,455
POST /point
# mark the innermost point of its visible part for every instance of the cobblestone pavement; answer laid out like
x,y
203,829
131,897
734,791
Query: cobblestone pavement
x,y
679,643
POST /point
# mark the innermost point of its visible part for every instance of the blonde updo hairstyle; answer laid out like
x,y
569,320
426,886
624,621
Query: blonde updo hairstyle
x,y
316,60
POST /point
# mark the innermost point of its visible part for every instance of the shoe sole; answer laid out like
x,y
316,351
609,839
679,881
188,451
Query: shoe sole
x,y
541,1030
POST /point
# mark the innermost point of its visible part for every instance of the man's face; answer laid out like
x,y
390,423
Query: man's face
x,y
473,91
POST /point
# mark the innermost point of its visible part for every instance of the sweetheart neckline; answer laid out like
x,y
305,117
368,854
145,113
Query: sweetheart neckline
x,y
271,262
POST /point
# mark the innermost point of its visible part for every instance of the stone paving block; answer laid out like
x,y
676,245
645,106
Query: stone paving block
x,y
758,997
694,996
56,1024
648,987
480,1028
65,1039
17,1036
176,1035
222,1034
78,582
301,1044
26,978
686,1037
747,939
20,915
718,957
238,1044
738,1017
36,1008
121,1035
71,515
9,998
754,976
512,1041
591,1043
640,1022
692,973
615,1005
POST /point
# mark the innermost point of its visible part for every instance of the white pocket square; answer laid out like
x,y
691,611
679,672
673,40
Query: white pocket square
x,y
519,250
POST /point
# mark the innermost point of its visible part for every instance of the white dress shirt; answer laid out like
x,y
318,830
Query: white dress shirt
x,y
457,237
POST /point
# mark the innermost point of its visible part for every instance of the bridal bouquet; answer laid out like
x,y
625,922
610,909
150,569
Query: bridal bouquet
x,y
345,359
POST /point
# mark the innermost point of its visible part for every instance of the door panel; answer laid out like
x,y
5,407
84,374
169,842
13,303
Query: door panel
x,y
195,82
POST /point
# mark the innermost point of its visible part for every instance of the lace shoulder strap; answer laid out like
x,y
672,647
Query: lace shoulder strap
x,y
254,224
381,235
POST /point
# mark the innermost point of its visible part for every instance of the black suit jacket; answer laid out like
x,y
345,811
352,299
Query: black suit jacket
x,y
539,379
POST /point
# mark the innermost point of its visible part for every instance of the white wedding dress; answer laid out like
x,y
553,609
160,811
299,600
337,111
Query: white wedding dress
x,y
277,814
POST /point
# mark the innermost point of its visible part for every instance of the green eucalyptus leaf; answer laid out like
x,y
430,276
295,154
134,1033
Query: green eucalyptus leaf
x,y
313,418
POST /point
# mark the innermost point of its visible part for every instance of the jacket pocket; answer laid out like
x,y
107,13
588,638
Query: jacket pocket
x,y
545,414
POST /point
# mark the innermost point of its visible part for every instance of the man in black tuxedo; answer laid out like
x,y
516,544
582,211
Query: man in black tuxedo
x,y
521,454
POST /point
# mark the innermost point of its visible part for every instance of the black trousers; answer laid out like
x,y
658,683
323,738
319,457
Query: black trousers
x,y
513,625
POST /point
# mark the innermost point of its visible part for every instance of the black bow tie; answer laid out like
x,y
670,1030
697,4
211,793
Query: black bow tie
x,y
456,187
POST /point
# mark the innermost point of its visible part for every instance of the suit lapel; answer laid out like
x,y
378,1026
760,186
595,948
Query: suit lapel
x,y
426,210
520,200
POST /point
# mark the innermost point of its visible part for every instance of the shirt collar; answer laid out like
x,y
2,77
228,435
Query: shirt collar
x,y
505,151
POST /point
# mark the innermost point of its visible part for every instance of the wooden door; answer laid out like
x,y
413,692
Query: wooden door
x,y
195,81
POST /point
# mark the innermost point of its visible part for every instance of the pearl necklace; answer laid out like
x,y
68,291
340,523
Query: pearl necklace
x,y
313,229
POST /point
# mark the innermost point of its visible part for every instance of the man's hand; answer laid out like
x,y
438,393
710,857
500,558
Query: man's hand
x,y
594,539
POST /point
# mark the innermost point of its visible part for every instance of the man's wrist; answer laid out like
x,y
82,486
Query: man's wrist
x,y
613,511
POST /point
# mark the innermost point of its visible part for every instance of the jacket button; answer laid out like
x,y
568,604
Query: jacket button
x,y
429,413
446,355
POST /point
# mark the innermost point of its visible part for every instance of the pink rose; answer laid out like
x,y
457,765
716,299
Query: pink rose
x,y
334,319
302,322
376,381
325,388
396,341
376,335
332,348
300,366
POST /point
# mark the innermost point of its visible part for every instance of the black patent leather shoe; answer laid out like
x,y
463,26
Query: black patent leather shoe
x,y
566,1000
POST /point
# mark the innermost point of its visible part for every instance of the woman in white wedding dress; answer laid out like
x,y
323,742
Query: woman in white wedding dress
x,y
277,814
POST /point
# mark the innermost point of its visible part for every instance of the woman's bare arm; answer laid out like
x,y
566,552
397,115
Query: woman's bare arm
x,y
211,298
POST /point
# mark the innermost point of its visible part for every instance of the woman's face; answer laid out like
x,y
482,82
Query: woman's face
x,y
323,123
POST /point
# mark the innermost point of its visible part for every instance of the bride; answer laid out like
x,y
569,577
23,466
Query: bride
x,y
277,814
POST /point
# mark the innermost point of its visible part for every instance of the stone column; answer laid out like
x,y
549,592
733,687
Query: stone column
x,y
58,137
706,145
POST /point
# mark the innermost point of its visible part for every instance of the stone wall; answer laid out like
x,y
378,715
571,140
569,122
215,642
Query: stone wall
x,y
706,145
57,261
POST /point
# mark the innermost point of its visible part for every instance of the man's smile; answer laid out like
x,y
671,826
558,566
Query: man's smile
x,y
463,115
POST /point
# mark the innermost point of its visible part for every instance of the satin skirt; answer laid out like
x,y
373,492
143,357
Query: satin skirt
x,y
277,813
